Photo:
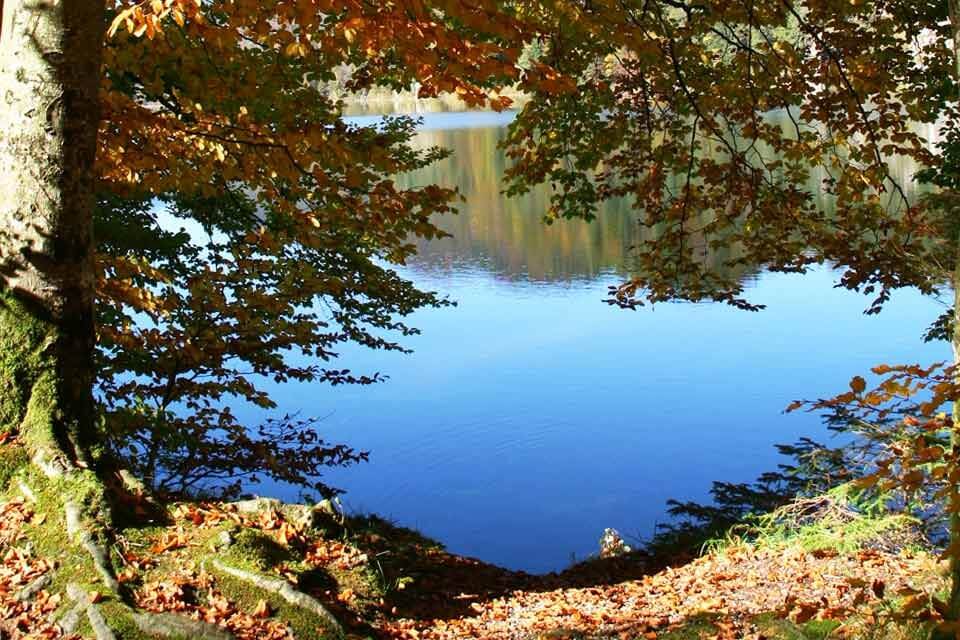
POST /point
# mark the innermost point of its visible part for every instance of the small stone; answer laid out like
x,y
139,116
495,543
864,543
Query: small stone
x,y
257,505
225,539
612,544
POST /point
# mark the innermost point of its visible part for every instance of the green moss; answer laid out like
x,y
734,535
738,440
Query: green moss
x,y
121,623
49,535
833,521
84,630
23,338
305,625
696,628
36,427
774,628
13,458
257,551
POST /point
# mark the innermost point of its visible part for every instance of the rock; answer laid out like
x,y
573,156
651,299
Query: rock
x,y
612,544
323,515
327,506
223,540
257,505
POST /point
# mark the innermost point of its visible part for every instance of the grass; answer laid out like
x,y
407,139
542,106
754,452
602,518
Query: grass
x,y
834,521
771,627
839,522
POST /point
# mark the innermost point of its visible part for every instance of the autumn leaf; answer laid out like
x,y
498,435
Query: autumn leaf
x,y
858,384
262,610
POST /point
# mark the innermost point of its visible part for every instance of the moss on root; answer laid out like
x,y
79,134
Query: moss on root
x,y
119,619
304,624
256,551
13,460
49,534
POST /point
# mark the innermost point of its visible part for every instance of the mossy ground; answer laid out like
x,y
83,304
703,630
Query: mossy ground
x,y
384,581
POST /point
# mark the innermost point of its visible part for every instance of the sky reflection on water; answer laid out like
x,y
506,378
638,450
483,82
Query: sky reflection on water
x,y
532,415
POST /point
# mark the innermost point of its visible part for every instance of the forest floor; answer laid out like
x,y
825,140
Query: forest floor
x,y
382,581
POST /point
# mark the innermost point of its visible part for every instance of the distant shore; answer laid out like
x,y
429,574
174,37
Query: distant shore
x,y
379,100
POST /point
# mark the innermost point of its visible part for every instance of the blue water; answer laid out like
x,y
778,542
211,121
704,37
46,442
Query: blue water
x,y
532,416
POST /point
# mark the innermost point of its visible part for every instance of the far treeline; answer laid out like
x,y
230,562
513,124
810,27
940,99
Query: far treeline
x,y
725,124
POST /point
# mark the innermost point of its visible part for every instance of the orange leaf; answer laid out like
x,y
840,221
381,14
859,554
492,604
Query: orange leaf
x,y
858,384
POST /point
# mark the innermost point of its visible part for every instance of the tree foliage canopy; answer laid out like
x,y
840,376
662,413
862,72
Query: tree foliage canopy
x,y
673,108
723,124
214,121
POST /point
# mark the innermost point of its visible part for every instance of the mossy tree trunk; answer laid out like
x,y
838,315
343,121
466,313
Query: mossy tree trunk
x,y
50,55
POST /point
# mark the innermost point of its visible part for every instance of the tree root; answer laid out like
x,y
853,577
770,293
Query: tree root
x,y
153,624
99,625
101,561
78,495
71,619
54,464
97,622
173,625
83,496
33,588
283,589
27,492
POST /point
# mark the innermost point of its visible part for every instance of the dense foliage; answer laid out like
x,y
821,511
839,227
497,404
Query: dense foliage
x,y
765,126
215,121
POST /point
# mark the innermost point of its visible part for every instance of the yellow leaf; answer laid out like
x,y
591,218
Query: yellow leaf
x,y
115,25
262,609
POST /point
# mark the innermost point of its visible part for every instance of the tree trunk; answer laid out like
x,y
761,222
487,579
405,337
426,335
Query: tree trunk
x,y
50,54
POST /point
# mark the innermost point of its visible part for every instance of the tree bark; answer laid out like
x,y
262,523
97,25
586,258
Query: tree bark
x,y
50,56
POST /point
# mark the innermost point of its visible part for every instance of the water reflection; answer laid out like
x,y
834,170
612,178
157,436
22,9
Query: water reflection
x,y
507,237
532,416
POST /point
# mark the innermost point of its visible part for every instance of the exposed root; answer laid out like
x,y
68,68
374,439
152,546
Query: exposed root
x,y
173,625
137,490
80,524
27,492
100,627
78,496
32,589
56,465
153,624
285,591
132,483
97,622
53,464
71,619
257,505
98,553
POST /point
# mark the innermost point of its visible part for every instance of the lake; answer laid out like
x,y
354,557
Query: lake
x,y
532,415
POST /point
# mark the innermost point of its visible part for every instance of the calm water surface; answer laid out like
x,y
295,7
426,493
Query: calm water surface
x,y
532,415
